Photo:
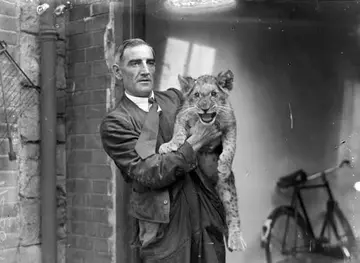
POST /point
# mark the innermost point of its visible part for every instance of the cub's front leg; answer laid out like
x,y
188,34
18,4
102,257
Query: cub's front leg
x,y
179,136
227,191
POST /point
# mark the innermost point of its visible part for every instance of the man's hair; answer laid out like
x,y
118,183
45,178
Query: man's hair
x,y
129,43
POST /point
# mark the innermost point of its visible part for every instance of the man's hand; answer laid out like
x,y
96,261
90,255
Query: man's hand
x,y
202,135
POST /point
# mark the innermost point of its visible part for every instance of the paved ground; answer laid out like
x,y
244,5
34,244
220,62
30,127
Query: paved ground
x,y
313,258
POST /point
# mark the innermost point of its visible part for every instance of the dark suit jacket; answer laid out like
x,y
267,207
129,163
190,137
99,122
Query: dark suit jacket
x,y
192,230
151,177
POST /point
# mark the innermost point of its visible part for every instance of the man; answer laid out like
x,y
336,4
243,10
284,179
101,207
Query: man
x,y
179,218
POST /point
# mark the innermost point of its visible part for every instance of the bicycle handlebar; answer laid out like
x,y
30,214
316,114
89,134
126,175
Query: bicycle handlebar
x,y
330,170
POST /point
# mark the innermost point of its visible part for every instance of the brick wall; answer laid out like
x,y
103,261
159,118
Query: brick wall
x,y
20,179
90,180
10,220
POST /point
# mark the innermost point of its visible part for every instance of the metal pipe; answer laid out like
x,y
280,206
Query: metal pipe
x,y
48,37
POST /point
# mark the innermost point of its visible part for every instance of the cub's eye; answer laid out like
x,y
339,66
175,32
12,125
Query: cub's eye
x,y
213,93
196,94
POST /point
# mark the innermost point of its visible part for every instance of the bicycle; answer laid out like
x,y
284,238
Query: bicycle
x,y
345,246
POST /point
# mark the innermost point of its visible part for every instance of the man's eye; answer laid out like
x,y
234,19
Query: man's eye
x,y
135,63
196,94
151,63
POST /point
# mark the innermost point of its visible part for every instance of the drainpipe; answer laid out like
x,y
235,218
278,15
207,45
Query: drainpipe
x,y
48,37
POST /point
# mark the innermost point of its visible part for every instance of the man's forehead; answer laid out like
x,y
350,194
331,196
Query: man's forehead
x,y
138,52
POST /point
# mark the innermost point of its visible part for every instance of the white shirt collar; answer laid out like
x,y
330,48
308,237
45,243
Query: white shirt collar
x,y
142,102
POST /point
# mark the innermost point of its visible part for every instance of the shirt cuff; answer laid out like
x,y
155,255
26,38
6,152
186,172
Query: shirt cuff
x,y
190,156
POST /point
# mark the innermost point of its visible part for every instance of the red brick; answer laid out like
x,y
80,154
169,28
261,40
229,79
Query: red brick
x,y
74,255
89,126
76,27
85,40
76,84
78,186
76,56
80,213
75,112
79,98
97,22
95,111
100,187
76,171
95,229
93,141
80,242
98,96
101,244
94,53
100,215
98,171
100,200
98,82
78,227
76,142
8,23
79,156
79,200
79,12
87,97
99,157
99,68
80,41
97,38
7,8
9,37
79,69
99,8
102,257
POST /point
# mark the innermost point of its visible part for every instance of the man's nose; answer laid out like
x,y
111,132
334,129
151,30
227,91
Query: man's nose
x,y
145,69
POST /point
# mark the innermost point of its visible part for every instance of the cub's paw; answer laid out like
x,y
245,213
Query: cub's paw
x,y
167,147
236,241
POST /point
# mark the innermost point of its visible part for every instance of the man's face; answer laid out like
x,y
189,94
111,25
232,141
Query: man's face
x,y
137,70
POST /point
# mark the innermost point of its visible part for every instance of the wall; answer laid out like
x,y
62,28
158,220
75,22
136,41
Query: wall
x,y
90,181
20,179
290,79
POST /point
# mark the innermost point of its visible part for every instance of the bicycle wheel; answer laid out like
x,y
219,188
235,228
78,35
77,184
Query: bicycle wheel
x,y
337,232
285,237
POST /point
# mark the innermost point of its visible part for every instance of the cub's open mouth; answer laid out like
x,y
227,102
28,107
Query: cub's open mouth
x,y
207,117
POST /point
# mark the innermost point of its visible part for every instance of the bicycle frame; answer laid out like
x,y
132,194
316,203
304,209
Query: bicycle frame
x,y
331,203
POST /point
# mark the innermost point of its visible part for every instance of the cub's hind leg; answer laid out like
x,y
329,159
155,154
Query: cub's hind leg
x,y
227,192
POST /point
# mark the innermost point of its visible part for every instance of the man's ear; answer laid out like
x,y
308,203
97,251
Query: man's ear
x,y
117,71
186,83
225,80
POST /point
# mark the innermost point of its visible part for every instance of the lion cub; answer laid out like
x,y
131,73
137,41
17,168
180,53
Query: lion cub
x,y
206,100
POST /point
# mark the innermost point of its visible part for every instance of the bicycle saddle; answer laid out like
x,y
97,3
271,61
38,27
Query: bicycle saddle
x,y
293,179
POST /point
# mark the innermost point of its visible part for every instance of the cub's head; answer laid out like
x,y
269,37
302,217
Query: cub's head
x,y
207,96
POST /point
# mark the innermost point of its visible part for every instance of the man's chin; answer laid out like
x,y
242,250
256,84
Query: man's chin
x,y
144,90
145,85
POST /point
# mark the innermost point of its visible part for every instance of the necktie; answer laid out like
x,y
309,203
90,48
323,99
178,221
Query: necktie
x,y
146,143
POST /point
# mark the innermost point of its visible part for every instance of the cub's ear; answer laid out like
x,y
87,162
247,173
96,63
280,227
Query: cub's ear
x,y
225,80
186,83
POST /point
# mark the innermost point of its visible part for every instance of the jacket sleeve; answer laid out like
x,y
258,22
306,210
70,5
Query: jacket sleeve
x,y
157,171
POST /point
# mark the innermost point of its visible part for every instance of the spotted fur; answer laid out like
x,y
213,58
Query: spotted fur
x,y
209,94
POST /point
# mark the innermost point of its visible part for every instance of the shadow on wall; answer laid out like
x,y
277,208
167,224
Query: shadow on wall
x,y
288,98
